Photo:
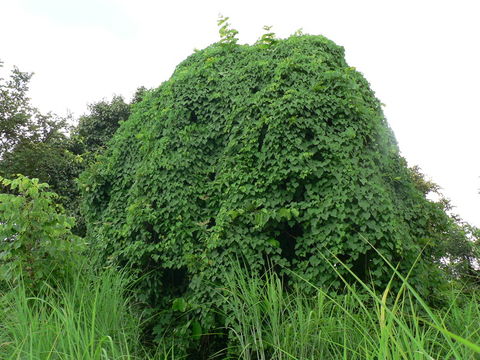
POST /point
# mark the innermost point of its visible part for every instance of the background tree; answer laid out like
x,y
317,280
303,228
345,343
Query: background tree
x,y
35,144
44,146
22,122
97,127
454,243
16,114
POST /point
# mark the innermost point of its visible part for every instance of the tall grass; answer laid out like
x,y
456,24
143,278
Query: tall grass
x,y
270,323
90,318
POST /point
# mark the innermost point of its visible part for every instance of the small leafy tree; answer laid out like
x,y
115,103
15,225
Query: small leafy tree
x,y
36,241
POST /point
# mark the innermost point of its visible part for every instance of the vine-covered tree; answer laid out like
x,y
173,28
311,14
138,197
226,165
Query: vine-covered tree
x,y
278,154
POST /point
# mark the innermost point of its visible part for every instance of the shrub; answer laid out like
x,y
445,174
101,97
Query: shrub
x,y
277,153
36,241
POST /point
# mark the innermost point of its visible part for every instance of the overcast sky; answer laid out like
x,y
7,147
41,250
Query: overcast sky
x,y
422,58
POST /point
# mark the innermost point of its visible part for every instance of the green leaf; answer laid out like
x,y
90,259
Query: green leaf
x,y
284,213
179,304
274,243
196,330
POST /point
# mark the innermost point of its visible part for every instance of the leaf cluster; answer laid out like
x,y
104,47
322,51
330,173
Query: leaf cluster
x,y
36,242
227,34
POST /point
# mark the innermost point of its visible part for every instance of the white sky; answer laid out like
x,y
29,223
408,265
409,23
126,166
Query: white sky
x,y
421,57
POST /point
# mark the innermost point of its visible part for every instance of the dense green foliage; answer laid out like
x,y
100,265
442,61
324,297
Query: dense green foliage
x,y
36,242
15,110
35,144
95,129
455,244
49,161
277,153
43,146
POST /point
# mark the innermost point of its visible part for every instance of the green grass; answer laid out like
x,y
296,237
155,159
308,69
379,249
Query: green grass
x,y
269,323
91,318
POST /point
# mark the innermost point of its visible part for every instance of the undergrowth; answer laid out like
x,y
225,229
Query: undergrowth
x,y
93,317
90,318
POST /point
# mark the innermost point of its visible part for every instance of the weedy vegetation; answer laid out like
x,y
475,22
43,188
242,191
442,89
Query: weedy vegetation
x,y
253,206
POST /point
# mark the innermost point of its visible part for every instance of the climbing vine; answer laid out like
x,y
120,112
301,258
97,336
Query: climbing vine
x,y
277,154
